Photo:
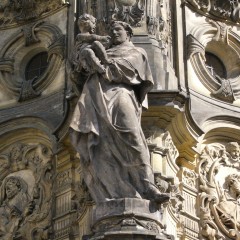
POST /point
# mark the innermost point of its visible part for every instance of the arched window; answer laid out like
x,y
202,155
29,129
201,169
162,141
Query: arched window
x,y
36,66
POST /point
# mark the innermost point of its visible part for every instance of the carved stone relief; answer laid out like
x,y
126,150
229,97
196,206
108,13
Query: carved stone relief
x,y
218,169
217,38
131,12
223,9
12,79
25,199
15,12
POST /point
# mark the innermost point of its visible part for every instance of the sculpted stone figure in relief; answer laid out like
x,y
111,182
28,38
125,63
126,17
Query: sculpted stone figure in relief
x,y
14,206
106,125
220,191
229,206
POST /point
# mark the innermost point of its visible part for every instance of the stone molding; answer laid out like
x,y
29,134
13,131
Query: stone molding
x,y
216,38
226,10
31,39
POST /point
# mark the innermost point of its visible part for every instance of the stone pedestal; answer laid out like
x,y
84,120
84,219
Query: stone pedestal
x,y
128,218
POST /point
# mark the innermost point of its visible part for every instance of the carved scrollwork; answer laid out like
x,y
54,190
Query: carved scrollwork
x,y
131,12
38,37
25,198
219,178
15,12
223,10
206,38
29,33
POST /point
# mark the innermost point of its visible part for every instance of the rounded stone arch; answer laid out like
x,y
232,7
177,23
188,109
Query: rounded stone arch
x,y
221,129
218,39
21,47
27,130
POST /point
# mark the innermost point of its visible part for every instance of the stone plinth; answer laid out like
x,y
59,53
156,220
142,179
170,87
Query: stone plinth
x,y
128,218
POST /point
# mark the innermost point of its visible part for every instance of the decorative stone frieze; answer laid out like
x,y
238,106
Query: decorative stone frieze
x,y
219,177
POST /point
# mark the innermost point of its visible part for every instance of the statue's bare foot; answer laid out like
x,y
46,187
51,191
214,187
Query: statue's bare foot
x,y
155,195
161,198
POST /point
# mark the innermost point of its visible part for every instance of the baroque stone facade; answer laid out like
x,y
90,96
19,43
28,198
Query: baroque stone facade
x,y
191,126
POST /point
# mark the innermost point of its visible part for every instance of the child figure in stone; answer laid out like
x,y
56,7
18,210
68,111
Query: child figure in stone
x,y
89,52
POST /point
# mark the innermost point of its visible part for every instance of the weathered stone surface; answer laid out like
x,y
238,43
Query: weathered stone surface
x,y
128,218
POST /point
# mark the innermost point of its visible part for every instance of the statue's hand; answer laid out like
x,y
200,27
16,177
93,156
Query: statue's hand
x,y
106,39
29,209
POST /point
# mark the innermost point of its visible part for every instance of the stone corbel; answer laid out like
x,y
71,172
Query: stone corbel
x,y
222,32
29,33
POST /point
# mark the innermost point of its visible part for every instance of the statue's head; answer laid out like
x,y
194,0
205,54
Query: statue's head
x,y
12,187
16,152
233,149
120,32
87,23
233,183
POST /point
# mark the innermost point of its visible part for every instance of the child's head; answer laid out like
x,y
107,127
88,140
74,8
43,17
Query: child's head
x,y
87,23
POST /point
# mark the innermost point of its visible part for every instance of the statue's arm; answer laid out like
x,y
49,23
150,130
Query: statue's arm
x,y
90,38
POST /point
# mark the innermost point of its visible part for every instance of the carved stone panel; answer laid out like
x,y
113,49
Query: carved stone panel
x,y
218,168
16,12
131,12
25,198
221,9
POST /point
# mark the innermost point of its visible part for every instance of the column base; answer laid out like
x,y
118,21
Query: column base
x,y
128,218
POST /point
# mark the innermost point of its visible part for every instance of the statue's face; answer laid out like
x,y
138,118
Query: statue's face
x,y
16,153
235,186
235,153
11,189
88,26
119,34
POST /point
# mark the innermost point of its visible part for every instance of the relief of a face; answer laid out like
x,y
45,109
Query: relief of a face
x,y
11,188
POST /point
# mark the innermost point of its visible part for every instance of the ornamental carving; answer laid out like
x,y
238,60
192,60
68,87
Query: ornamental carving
x,y
25,197
153,25
31,39
216,38
131,12
19,11
218,170
221,9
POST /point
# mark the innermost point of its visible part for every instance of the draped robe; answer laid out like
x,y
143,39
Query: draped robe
x,y
106,127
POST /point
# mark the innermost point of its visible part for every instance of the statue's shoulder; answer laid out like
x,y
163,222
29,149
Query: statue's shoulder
x,y
142,51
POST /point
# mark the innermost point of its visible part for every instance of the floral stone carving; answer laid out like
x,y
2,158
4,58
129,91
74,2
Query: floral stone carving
x,y
25,197
219,177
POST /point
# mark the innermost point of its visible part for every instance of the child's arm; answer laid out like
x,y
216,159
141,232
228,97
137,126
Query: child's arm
x,y
90,38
